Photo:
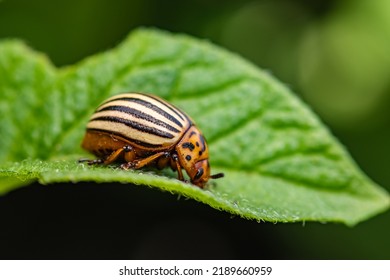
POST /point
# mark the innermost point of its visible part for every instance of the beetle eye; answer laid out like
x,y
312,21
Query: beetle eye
x,y
199,173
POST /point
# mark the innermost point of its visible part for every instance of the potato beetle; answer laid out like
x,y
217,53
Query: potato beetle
x,y
144,130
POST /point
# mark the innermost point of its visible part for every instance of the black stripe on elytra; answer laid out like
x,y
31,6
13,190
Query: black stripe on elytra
x,y
135,125
139,115
150,106
188,145
131,140
171,107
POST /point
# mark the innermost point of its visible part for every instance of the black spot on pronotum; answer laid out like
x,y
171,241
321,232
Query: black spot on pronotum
x,y
200,153
199,173
203,142
188,145
192,133
197,143
188,157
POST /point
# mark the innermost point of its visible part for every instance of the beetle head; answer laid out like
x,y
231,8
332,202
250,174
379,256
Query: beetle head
x,y
193,156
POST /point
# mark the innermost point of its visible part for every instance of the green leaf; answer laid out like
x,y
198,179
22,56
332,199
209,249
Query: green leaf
x,y
281,163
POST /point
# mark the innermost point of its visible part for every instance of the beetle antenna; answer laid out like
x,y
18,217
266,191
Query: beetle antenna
x,y
216,176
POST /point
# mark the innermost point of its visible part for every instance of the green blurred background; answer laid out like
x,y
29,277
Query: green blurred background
x,y
334,54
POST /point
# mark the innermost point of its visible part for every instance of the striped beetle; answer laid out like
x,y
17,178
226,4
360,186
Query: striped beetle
x,y
144,130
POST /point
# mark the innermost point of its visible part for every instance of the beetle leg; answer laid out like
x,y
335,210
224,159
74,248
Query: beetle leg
x,y
129,155
91,161
178,168
116,154
164,160
127,152
136,164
